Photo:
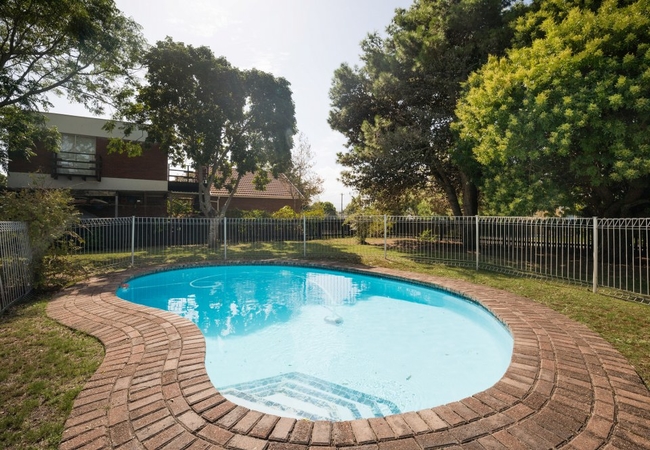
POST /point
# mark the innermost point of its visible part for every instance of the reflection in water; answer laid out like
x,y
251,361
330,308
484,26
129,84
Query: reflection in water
x,y
365,333
185,307
235,300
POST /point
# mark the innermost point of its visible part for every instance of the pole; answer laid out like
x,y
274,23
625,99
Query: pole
x,y
304,236
478,254
595,257
132,240
385,235
225,239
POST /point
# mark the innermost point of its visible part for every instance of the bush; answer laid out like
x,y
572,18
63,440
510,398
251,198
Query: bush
x,y
428,236
247,214
365,225
49,214
286,212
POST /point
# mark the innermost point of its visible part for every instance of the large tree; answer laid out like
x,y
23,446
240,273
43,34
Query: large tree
x,y
84,49
562,120
396,110
223,121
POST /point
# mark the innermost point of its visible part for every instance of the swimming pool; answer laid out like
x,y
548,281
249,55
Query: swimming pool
x,y
320,344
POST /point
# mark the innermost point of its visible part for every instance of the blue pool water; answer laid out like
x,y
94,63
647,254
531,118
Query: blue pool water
x,y
320,344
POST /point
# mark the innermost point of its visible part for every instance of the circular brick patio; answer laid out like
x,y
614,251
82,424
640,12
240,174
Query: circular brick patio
x,y
566,387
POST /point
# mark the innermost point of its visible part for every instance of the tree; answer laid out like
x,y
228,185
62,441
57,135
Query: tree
x,y
328,208
562,120
301,173
396,110
223,121
84,49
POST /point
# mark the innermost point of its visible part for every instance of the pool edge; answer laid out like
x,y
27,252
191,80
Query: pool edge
x,y
565,384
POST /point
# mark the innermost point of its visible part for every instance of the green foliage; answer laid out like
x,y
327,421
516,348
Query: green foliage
x,y
203,110
248,214
286,212
180,207
562,120
19,132
84,49
315,213
396,110
428,236
49,213
366,223
327,208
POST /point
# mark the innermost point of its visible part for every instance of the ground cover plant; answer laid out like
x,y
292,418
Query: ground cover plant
x,y
45,364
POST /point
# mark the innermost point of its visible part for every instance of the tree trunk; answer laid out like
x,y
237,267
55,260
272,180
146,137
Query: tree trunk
x,y
449,190
205,184
470,196
222,213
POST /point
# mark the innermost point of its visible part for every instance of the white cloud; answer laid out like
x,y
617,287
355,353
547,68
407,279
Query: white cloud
x,y
201,18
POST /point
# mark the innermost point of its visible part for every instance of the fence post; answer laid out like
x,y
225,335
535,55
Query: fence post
x,y
595,257
385,235
132,240
304,236
478,253
225,239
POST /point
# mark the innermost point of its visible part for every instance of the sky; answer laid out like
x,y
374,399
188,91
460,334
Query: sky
x,y
304,41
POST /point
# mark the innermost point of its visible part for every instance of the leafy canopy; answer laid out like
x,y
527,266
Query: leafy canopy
x,y
223,121
84,49
396,110
562,120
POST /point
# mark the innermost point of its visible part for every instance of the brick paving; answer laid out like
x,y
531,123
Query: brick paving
x,y
566,387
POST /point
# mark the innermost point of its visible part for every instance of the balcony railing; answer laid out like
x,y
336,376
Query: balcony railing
x,y
71,164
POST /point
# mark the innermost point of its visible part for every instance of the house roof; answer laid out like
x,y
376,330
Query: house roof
x,y
279,187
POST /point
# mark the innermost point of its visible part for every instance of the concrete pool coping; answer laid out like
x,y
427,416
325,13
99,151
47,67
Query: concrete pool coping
x,y
566,387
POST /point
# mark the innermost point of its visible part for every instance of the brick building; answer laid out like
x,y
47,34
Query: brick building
x,y
116,185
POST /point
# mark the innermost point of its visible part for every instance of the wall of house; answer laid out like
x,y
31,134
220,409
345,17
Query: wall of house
x,y
128,186
264,204
125,204
151,165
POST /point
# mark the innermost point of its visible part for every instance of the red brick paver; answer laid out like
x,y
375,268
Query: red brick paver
x,y
565,387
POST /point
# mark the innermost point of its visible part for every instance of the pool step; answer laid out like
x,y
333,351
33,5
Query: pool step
x,y
296,394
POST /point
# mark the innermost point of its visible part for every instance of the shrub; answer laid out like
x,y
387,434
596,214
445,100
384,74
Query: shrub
x,y
366,224
49,214
286,212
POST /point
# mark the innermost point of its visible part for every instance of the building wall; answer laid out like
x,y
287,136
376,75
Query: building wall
x,y
129,185
264,204
151,165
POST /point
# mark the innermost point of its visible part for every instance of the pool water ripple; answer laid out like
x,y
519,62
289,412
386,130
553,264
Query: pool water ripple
x,y
321,344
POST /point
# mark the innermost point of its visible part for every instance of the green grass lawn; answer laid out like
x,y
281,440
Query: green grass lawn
x,y
44,365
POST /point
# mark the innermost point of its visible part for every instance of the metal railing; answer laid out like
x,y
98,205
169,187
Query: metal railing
x,y
601,253
15,263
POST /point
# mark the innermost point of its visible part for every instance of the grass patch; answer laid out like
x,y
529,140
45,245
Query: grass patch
x,y
44,366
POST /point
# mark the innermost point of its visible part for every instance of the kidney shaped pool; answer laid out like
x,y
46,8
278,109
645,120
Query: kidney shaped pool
x,y
331,345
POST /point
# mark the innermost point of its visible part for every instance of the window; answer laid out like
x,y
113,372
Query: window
x,y
76,157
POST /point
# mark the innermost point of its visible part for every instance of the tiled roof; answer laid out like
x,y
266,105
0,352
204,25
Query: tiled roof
x,y
277,188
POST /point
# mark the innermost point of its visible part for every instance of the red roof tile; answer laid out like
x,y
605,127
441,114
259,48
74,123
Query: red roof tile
x,y
277,188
